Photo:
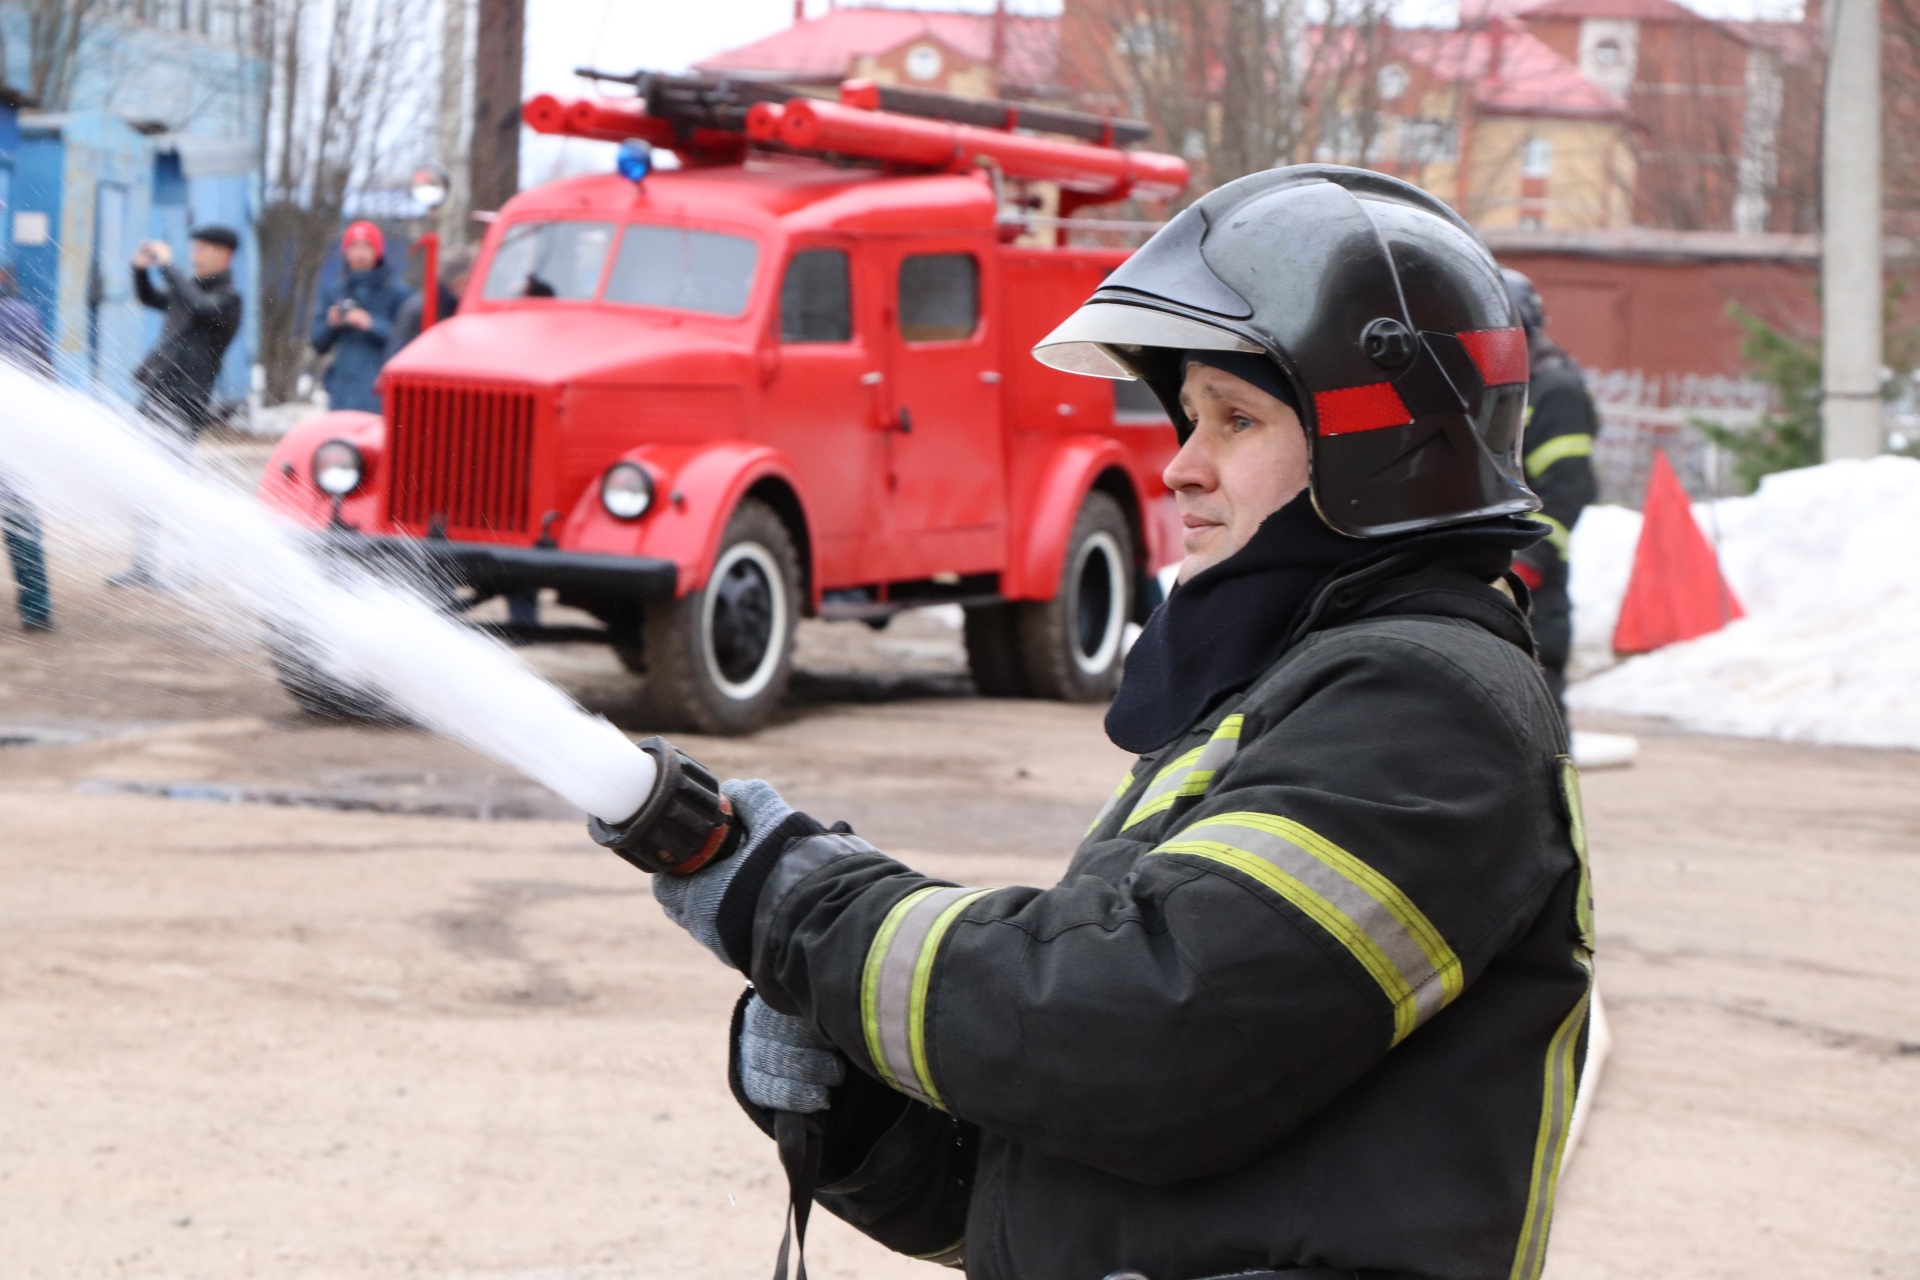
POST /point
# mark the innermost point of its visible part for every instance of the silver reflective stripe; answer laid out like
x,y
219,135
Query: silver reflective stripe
x,y
893,988
1560,1081
1112,801
1382,928
1191,773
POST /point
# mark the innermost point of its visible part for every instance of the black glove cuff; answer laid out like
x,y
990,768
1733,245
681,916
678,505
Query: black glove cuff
x,y
734,920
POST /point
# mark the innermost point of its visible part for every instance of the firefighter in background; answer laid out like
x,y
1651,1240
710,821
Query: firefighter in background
x,y
1311,999
1558,456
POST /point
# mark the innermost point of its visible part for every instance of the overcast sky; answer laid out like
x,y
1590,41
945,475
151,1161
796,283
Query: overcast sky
x,y
670,35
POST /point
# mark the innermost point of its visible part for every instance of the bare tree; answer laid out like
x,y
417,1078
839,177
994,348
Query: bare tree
x,y
1235,85
56,29
349,110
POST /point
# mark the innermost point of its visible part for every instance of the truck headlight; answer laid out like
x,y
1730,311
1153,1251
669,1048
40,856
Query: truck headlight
x,y
338,468
626,491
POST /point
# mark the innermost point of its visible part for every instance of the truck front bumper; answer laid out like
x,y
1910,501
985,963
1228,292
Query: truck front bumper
x,y
492,569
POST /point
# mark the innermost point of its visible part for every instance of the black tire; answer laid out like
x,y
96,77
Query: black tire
x,y
1070,646
719,660
322,695
993,651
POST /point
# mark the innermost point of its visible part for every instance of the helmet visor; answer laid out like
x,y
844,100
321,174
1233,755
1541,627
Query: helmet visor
x,y
1084,342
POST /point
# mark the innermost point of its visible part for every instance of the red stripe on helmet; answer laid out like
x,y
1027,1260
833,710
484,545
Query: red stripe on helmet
x,y
1370,408
1499,354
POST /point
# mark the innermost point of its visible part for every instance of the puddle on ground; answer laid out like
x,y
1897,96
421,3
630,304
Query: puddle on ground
x,y
481,797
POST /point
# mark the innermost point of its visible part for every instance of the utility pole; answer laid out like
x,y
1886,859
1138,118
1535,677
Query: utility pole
x,y
1850,279
499,50
453,119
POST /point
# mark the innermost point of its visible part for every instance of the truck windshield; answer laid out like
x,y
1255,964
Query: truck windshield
x,y
684,269
549,260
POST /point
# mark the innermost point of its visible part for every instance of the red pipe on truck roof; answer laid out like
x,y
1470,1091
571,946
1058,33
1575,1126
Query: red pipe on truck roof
x,y
1091,172
807,124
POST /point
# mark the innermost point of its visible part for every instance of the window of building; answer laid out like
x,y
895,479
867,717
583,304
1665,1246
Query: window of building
x,y
683,269
1422,141
1536,158
549,260
816,298
939,297
1393,82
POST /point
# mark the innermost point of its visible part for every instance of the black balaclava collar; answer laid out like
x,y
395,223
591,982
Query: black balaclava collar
x,y
1220,629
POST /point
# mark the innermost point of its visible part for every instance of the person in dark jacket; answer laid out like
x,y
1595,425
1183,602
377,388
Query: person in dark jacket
x,y
1558,453
456,268
176,380
353,321
1311,998
23,341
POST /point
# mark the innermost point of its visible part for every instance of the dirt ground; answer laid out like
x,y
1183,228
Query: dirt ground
x,y
430,1030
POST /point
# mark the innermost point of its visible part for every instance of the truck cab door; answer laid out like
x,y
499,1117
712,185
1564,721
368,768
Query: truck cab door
x,y
821,404
946,455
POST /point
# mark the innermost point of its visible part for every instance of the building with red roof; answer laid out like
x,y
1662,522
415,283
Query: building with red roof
x,y
1492,120
973,54
1725,114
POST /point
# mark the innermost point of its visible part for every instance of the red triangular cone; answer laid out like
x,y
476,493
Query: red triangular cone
x,y
1677,591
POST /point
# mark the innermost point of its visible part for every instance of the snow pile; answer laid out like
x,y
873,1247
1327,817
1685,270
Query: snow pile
x,y
1826,561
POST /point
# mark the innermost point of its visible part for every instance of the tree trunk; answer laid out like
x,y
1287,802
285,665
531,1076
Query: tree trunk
x,y
498,53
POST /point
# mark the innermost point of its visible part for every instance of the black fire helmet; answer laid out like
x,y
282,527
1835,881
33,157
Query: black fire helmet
x,y
1375,299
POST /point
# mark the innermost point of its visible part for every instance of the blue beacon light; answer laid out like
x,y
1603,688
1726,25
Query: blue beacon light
x,y
635,161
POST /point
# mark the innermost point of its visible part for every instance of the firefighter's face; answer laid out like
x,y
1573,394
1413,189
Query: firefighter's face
x,y
1246,458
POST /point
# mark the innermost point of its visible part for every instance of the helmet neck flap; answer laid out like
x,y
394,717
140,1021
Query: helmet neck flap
x,y
1376,300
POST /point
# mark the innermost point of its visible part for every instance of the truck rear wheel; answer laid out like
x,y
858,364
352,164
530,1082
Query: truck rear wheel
x,y
1070,646
718,660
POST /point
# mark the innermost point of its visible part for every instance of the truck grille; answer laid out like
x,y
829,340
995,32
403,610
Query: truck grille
x,y
462,456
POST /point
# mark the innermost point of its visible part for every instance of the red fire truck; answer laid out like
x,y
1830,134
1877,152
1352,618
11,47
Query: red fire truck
x,y
788,377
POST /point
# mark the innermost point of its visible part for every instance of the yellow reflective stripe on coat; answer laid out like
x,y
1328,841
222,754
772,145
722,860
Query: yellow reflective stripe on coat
x,y
1112,800
1574,444
1363,910
895,982
1577,832
1559,1082
1559,537
1191,773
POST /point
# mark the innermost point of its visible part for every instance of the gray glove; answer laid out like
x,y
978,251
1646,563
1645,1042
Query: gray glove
x,y
693,902
784,1066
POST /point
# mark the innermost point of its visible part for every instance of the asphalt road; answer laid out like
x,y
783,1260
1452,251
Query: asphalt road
x,y
426,1028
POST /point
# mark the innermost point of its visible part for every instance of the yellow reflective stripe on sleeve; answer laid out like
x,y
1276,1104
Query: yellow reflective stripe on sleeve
x,y
1112,800
1559,1082
895,982
1574,444
1559,537
1577,831
1191,774
1364,911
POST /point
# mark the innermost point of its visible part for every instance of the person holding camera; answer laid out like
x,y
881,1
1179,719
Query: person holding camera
x,y
354,320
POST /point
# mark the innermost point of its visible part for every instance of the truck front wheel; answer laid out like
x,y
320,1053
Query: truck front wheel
x,y
1070,646
718,660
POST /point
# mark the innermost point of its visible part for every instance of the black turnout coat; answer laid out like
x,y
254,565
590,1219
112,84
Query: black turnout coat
x,y
203,315
1313,993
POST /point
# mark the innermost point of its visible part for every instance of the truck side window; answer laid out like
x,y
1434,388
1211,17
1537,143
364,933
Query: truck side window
x,y
816,298
1134,404
939,297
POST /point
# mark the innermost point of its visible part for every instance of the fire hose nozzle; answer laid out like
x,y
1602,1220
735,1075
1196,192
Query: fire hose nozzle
x,y
685,824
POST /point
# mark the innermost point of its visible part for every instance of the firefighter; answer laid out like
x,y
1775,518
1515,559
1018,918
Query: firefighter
x,y
1558,458
1311,999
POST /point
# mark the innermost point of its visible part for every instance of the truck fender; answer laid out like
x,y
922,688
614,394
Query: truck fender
x,y
696,490
287,484
1039,550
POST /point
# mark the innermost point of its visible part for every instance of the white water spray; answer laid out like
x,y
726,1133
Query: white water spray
x,y
86,460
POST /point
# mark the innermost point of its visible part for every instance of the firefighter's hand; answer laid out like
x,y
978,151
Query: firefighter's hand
x,y
693,902
784,1066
